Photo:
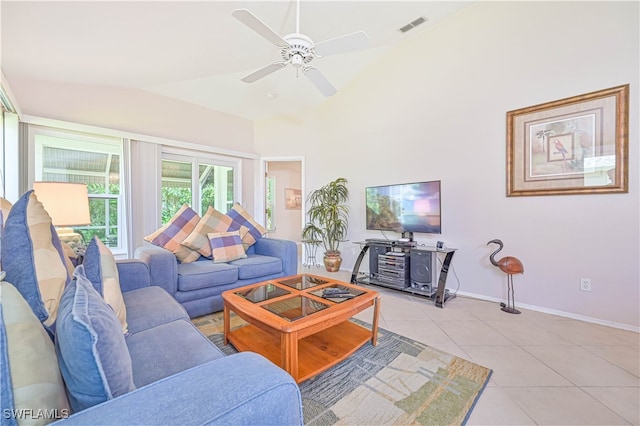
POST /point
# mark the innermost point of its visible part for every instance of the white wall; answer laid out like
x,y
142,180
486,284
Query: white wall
x,y
435,108
147,117
134,111
288,221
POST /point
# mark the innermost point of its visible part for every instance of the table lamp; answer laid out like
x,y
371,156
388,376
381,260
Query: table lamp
x,y
67,205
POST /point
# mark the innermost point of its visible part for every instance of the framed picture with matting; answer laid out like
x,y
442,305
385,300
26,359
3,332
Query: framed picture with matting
x,y
577,145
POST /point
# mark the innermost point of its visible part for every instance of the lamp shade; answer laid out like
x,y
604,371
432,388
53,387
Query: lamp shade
x,y
67,203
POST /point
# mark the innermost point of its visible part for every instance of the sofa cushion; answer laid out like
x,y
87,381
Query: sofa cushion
x,y
92,352
34,264
171,235
154,359
204,274
226,246
29,370
241,218
100,267
151,306
212,221
256,265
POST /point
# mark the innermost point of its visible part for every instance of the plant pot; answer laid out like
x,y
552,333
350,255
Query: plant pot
x,y
332,261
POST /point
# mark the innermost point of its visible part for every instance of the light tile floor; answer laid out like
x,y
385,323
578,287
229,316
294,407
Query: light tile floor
x,y
547,369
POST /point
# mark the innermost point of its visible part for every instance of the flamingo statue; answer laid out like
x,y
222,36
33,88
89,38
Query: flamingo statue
x,y
509,265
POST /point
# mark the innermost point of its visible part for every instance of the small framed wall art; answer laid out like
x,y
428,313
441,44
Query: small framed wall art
x,y
577,145
292,199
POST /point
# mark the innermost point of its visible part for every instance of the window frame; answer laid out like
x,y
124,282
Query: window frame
x,y
197,158
87,142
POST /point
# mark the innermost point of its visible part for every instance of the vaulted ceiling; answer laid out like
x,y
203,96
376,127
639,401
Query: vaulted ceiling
x,y
196,51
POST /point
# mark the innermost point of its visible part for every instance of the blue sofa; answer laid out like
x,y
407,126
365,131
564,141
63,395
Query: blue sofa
x,y
198,286
67,355
180,377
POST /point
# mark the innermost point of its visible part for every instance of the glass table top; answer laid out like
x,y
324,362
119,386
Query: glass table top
x,y
338,293
302,282
294,308
262,293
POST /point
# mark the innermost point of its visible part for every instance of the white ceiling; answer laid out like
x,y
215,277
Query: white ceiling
x,y
196,51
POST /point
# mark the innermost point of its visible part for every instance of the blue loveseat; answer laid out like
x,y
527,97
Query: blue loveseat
x,y
198,285
77,366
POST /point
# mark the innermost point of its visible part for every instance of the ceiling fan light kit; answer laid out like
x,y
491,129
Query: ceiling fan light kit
x,y
299,50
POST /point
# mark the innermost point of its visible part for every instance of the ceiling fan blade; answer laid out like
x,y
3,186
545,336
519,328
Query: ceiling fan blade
x,y
320,81
250,20
342,44
263,72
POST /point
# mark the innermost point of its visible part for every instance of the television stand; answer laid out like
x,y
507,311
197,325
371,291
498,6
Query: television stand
x,y
440,294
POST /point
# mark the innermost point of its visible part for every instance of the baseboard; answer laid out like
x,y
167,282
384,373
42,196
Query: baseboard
x,y
556,312
543,310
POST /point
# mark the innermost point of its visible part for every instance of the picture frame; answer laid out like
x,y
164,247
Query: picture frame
x,y
576,145
292,199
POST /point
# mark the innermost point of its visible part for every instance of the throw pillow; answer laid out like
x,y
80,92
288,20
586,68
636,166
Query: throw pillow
x,y
212,221
226,246
101,269
171,235
33,380
92,353
241,218
34,263
6,393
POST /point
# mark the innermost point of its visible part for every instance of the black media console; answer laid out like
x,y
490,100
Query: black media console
x,y
405,266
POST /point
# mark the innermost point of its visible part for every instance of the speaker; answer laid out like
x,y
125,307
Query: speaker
x,y
374,251
420,265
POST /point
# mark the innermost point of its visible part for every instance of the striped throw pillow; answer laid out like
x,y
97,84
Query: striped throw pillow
x,y
226,246
242,218
32,365
171,235
212,221
102,271
35,264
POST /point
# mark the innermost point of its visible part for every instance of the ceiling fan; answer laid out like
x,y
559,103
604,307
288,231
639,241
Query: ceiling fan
x,y
299,50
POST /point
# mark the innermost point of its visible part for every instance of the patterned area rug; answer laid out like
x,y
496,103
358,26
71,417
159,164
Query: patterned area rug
x,y
399,381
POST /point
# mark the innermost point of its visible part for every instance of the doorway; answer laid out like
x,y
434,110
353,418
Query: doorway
x,y
284,195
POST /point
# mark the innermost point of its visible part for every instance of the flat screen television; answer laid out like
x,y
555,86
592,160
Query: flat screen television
x,y
406,207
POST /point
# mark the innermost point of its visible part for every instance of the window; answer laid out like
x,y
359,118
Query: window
x,y
96,161
198,182
10,176
271,203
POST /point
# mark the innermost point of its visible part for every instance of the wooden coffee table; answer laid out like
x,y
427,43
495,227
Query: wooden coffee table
x,y
293,325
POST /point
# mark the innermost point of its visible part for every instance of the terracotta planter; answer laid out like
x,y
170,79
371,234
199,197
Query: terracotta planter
x,y
332,261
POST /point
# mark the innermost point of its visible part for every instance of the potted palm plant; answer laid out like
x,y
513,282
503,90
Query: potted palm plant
x,y
328,220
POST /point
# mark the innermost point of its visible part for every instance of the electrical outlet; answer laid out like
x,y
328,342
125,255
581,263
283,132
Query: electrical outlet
x,y
585,284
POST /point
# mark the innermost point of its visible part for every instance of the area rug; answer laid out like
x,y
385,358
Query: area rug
x,y
397,382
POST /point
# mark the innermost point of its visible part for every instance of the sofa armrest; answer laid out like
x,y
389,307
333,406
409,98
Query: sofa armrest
x,y
133,274
162,264
286,250
241,389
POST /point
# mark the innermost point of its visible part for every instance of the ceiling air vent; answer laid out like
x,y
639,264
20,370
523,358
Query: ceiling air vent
x,y
413,24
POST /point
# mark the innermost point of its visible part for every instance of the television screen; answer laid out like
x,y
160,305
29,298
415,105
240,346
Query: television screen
x,y
407,207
